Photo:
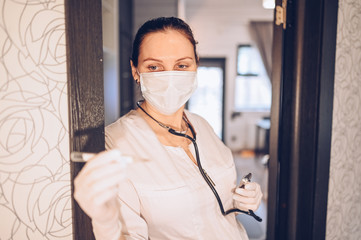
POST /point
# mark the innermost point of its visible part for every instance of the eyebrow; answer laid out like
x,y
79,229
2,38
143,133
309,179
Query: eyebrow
x,y
184,58
158,60
152,59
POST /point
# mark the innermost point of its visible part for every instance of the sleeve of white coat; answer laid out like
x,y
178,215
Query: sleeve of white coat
x,y
108,231
133,225
130,224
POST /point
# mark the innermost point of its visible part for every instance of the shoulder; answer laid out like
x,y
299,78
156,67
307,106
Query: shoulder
x,y
118,124
198,121
208,139
203,129
195,118
120,128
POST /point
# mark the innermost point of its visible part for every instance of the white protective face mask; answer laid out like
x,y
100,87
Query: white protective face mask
x,y
168,91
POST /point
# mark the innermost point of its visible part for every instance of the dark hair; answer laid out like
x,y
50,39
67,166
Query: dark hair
x,y
161,24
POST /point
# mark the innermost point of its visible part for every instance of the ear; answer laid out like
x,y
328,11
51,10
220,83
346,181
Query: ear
x,y
134,72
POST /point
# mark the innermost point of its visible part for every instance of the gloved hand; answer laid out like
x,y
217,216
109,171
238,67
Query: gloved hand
x,y
96,186
249,197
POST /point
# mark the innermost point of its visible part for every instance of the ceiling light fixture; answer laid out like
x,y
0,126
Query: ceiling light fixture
x,y
269,4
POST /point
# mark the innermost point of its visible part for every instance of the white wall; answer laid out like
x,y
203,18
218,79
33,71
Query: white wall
x,y
35,197
344,197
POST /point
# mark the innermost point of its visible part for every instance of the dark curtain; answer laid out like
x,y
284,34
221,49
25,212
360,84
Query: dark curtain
x,y
262,35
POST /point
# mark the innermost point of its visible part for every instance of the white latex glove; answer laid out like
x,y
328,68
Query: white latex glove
x,y
249,197
96,186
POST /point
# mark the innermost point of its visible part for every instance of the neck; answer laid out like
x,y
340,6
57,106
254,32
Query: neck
x,y
174,120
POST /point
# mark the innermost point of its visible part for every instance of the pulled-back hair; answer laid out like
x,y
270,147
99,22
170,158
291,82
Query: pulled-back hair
x,y
158,25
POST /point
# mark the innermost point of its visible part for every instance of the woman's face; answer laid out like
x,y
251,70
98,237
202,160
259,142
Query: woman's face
x,y
168,50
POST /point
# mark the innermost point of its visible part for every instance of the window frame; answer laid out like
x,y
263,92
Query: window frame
x,y
248,109
247,45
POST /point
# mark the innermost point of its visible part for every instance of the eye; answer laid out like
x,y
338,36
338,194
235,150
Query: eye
x,y
153,68
182,66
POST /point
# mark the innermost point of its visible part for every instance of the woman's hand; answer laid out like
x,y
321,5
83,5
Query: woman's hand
x,y
249,197
96,186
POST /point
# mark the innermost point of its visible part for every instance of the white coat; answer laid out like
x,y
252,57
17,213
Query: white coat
x,y
166,197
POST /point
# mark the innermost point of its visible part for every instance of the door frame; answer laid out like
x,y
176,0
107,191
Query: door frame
x,y
84,49
301,113
301,120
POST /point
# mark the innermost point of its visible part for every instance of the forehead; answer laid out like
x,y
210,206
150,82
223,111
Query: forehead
x,y
166,43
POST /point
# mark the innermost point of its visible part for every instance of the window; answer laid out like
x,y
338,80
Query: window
x,y
253,87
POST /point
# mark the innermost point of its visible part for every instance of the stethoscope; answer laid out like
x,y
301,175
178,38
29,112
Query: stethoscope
x,y
201,170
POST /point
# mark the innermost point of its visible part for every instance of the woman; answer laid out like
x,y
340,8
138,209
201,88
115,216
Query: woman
x,y
169,196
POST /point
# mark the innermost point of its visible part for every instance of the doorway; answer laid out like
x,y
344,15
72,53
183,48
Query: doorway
x,y
299,223
208,100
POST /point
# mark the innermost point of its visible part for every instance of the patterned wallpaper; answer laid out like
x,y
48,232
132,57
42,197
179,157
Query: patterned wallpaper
x,y
344,199
34,140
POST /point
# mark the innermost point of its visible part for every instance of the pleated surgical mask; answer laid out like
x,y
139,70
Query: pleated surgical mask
x,y
168,91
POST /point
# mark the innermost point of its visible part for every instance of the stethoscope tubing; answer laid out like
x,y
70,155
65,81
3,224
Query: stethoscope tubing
x,y
201,170
199,165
